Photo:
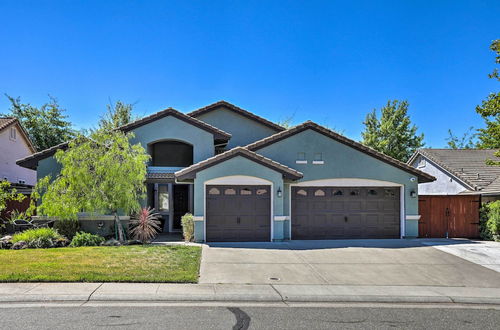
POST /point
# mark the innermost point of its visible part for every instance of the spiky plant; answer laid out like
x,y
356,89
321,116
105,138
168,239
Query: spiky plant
x,y
145,225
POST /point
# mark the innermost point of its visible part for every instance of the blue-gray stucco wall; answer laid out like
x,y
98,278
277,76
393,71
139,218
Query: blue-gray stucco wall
x,y
235,166
243,130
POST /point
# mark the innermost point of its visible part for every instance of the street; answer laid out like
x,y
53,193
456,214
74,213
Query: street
x,y
129,316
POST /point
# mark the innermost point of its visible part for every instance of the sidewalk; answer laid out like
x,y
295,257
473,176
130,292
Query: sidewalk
x,y
149,292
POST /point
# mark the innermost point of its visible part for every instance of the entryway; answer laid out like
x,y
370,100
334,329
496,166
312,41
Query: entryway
x,y
171,201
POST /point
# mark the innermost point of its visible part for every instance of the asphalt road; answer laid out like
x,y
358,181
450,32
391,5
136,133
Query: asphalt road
x,y
168,317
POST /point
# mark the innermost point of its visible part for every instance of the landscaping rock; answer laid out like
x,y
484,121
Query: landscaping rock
x,y
6,238
134,242
111,242
5,244
19,245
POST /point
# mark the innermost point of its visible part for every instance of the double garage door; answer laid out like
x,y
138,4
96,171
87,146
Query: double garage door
x,y
243,213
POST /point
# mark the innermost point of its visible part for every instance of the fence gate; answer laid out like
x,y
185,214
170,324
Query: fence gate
x,y
449,216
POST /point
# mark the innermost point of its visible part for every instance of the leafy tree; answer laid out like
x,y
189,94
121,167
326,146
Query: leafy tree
x,y
467,141
102,173
117,114
489,137
392,134
46,125
8,194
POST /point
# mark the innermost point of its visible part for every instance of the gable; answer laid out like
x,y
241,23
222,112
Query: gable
x,y
339,160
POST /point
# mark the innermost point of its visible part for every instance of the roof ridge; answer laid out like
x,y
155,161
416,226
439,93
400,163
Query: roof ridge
x,y
233,107
234,151
342,139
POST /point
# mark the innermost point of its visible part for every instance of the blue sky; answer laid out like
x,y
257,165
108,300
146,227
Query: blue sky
x,y
327,61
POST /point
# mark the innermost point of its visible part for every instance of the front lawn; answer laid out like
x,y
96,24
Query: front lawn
x,y
179,264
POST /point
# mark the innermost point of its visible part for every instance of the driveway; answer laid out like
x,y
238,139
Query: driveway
x,y
342,262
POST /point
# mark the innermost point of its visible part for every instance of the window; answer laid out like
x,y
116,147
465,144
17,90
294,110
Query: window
x,y
389,193
245,191
337,192
261,191
301,158
319,193
214,191
354,192
301,192
13,133
229,191
372,192
163,198
318,156
171,154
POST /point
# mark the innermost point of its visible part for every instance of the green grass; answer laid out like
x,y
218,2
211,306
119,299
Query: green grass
x,y
178,264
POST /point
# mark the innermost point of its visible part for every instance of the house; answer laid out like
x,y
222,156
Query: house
x,y
450,205
15,144
247,179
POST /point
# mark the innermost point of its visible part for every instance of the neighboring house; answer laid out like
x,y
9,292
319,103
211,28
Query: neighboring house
x,y
247,179
450,205
458,171
15,144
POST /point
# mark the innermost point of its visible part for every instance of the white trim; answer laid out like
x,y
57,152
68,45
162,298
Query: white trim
x,y
413,217
238,180
281,217
198,218
301,162
244,180
318,162
352,182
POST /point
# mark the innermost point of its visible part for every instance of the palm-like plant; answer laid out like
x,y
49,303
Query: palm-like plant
x,y
145,225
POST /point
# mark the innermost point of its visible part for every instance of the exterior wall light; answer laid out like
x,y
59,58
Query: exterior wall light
x,y
279,192
413,194
413,179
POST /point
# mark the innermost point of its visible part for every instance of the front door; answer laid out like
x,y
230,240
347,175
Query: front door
x,y
162,202
181,204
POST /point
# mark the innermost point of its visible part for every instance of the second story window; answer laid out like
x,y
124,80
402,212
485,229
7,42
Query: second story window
x,y
171,154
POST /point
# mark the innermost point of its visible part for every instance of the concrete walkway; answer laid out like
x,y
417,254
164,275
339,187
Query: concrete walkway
x,y
148,292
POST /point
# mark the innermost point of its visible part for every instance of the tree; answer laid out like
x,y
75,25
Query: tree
x,y
8,194
117,114
392,134
46,125
467,141
102,173
489,137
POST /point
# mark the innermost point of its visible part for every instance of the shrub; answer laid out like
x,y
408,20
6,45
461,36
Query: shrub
x,y
484,232
145,225
86,239
40,235
67,228
493,222
41,243
187,222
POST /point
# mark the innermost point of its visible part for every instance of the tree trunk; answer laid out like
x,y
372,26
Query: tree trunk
x,y
121,235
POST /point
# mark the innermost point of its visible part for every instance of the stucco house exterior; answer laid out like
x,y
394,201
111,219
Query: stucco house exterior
x,y
247,179
458,172
15,144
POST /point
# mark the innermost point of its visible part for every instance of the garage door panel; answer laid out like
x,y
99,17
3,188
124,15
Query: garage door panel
x,y
371,212
238,213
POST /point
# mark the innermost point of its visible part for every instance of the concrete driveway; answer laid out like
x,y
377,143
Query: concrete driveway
x,y
342,262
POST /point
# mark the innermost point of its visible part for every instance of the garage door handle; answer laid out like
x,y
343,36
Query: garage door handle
x,y
345,219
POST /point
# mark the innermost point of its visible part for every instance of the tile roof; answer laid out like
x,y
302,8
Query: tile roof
x,y
422,176
160,176
468,165
239,110
6,122
190,172
32,160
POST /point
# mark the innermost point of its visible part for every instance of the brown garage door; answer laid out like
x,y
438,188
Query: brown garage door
x,y
345,212
238,213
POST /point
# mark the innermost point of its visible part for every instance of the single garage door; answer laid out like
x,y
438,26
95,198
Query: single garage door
x,y
238,213
345,212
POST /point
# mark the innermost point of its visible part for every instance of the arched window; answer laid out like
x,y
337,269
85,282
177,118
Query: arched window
x,y
171,154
